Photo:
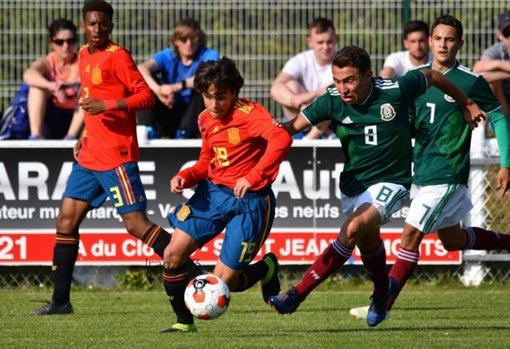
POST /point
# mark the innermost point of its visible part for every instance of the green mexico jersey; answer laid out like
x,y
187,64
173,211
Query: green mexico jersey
x,y
375,136
443,138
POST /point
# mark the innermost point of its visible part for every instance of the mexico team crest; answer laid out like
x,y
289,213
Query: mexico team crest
x,y
96,76
387,112
449,99
233,135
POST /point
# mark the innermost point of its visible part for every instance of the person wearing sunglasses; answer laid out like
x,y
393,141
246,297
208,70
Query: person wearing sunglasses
x,y
54,85
494,63
170,73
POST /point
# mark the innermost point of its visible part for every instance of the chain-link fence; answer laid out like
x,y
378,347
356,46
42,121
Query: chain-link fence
x,y
145,278
259,35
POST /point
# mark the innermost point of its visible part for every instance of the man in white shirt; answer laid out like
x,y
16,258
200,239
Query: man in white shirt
x,y
305,76
416,53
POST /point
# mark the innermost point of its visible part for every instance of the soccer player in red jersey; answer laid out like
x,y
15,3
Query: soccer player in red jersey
x,y
242,149
106,152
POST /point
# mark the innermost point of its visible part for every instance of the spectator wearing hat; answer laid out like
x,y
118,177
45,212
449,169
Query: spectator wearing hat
x,y
494,64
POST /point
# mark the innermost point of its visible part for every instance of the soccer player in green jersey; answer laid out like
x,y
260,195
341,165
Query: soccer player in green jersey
x,y
441,167
370,116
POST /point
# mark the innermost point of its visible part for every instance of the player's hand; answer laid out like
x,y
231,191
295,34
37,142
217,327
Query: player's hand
x,y
57,89
503,179
241,187
474,115
76,149
93,106
177,185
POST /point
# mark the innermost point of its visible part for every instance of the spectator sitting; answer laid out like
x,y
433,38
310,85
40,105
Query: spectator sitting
x,y
416,53
54,86
494,64
305,76
178,104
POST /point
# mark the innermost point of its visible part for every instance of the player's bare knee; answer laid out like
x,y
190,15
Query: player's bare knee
x,y
172,260
65,225
136,231
352,231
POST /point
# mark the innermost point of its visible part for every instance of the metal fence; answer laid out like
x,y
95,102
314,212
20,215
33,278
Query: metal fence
x,y
259,34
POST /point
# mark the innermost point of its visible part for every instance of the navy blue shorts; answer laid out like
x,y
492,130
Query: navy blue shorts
x,y
247,221
122,185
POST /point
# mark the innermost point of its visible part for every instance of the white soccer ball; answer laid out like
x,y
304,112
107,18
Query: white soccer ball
x,y
207,296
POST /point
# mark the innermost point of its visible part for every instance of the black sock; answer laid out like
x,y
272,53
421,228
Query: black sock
x,y
157,238
175,282
251,275
65,253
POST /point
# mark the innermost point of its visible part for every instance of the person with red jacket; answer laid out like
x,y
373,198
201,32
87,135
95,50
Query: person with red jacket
x,y
242,149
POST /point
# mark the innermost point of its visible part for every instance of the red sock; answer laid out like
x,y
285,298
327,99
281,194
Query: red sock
x,y
333,257
375,264
404,266
481,239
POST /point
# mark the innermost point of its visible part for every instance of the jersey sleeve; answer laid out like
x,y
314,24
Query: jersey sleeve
x,y
127,72
502,130
200,169
322,108
278,145
482,95
413,84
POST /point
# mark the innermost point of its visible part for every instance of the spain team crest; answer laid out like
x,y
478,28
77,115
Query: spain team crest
x,y
183,213
96,76
233,135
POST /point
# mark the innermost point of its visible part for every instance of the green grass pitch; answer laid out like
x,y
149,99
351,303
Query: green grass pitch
x,y
424,317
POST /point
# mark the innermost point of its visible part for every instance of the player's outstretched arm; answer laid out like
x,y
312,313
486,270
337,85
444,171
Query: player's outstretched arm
x,y
296,125
472,112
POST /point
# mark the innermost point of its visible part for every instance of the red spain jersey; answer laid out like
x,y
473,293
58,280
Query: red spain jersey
x,y
109,138
244,143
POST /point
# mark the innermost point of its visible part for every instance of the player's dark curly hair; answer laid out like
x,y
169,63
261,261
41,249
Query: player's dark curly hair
x,y
99,6
222,74
353,56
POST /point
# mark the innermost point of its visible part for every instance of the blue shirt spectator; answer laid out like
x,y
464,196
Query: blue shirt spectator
x,y
170,74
